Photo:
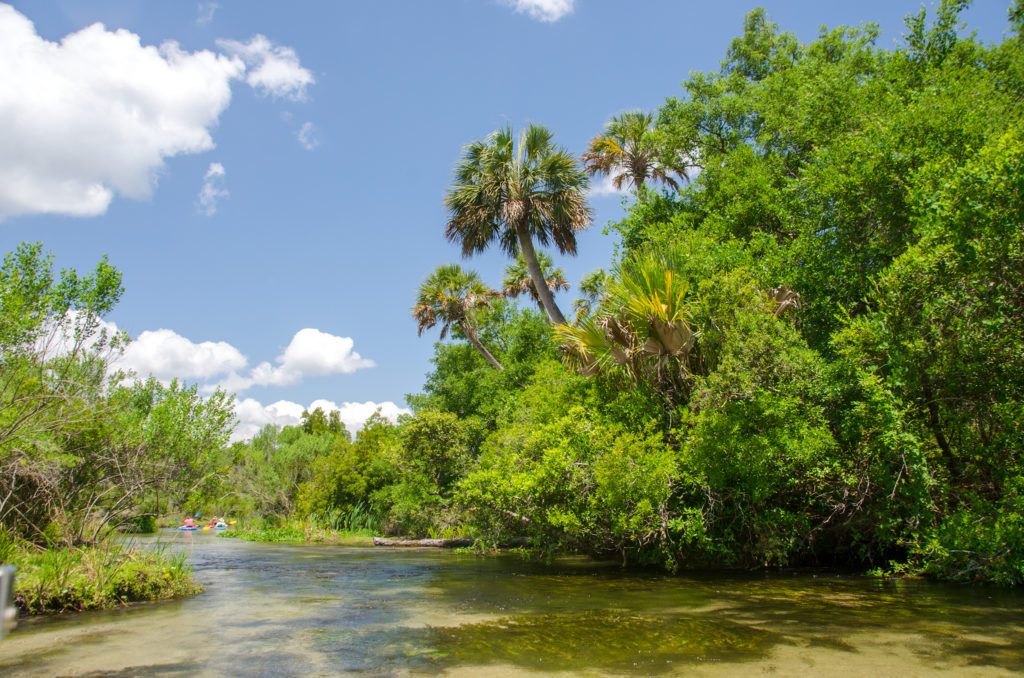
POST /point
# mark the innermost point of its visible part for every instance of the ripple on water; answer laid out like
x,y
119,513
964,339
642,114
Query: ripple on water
x,y
273,610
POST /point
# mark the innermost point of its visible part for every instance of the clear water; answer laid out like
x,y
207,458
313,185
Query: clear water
x,y
277,610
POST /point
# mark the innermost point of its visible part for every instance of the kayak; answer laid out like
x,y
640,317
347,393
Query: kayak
x,y
187,528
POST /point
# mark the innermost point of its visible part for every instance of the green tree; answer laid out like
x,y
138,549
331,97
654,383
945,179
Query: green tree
x,y
318,422
463,383
517,191
627,150
53,348
943,338
452,296
440,446
81,450
518,281
592,287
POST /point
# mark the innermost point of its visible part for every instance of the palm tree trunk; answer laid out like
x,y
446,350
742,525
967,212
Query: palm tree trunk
x,y
547,299
639,184
470,333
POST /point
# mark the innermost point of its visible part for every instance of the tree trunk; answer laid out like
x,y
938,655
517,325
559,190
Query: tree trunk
x,y
470,333
547,299
444,543
436,543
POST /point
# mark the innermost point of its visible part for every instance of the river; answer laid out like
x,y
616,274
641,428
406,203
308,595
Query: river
x,y
283,610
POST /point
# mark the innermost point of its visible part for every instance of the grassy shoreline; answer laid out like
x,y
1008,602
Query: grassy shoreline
x,y
300,534
107,575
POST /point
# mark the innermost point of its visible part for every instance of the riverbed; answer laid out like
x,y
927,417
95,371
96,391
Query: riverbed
x,y
284,610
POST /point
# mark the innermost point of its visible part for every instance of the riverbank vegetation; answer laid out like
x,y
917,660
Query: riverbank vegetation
x,y
91,577
87,451
807,351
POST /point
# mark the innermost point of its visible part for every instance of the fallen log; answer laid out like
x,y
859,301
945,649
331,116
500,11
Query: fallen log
x,y
436,543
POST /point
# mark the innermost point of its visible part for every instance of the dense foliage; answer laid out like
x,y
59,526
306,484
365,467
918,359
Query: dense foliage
x,y
83,447
811,352
808,351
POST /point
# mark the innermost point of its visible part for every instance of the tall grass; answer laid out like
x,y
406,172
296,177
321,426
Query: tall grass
x,y
358,520
336,526
60,579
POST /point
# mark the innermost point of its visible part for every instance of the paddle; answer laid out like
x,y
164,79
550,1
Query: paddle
x,y
207,527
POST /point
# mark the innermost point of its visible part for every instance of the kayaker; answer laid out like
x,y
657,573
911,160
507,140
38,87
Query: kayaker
x,y
213,522
221,523
188,522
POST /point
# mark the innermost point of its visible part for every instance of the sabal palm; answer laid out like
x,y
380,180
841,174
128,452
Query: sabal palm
x,y
592,288
518,281
452,296
626,150
515,191
641,328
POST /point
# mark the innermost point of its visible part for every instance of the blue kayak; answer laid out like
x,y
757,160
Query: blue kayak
x,y
187,529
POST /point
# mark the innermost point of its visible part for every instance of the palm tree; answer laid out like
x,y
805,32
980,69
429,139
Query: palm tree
x,y
514,192
592,287
641,330
518,281
452,296
626,150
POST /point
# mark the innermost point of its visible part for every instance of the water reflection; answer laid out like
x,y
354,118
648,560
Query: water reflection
x,y
273,610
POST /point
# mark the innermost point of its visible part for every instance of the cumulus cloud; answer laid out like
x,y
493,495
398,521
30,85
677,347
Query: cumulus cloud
x,y
308,137
271,69
252,415
97,114
166,355
542,10
311,353
212,190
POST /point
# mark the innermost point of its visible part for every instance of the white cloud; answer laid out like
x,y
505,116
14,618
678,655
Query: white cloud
x,y
252,415
166,354
206,11
308,136
604,184
212,190
354,415
272,69
311,353
543,10
97,114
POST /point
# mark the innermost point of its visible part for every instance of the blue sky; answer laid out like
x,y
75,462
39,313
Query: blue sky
x,y
269,176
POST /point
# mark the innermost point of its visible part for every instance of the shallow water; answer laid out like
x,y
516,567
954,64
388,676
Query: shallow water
x,y
279,610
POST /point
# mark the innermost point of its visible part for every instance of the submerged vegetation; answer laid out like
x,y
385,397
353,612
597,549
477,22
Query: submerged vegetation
x,y
808,350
